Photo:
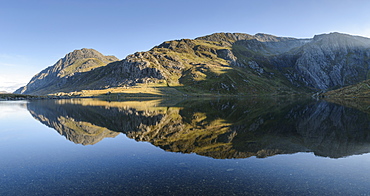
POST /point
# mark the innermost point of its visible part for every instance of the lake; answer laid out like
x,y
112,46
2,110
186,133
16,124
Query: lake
x,y
184,147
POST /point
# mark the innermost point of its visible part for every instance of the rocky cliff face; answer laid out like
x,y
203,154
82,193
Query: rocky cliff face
x,y
330,61
221,63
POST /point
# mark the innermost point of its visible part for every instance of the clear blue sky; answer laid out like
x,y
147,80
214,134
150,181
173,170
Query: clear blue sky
x,y
34,34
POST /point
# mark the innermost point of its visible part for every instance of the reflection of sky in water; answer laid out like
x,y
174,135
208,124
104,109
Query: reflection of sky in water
x,y
10,107
35,159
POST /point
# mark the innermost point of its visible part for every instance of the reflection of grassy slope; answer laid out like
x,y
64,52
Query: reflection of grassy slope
x,y
83,132
79,132
221,128
81,128
218,128
140,105
199,136
265,134
172,132
362,104
202,127
252,130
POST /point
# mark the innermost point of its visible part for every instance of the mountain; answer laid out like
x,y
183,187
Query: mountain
x,y
220,63
56,78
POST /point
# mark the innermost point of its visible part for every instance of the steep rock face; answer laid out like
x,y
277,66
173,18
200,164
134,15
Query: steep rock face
x,y
329,61
56,77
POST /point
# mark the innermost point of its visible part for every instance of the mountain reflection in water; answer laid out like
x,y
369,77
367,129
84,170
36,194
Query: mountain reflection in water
x,y
218,128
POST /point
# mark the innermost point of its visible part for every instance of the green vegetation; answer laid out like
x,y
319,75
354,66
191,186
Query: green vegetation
x,y
360,90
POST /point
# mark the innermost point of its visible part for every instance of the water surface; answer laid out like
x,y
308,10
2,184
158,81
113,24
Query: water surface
x,y
187,147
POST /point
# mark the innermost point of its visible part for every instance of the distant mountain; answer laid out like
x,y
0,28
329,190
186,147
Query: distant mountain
x,y
221,63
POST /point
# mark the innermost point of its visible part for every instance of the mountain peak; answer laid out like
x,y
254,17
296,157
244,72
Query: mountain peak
x,y
331,35
226,37
233,37
84,53
342,40
262,37
78,61
338,36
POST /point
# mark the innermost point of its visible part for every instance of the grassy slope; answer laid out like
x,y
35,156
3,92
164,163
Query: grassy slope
x,y
360,90
353,96
206,73
78,66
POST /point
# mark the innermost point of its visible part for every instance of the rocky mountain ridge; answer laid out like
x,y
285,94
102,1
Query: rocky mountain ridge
x,y
220,63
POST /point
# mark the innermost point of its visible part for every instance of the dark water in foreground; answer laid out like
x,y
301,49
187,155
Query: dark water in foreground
x,y
184,147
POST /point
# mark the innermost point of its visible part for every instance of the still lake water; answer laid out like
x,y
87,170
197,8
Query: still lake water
x,y
183,147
